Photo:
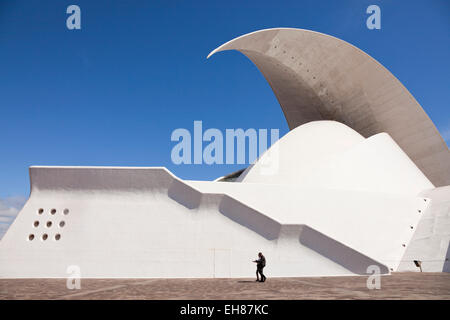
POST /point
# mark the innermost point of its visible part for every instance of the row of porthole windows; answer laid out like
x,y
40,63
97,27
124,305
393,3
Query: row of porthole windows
x,y
412,227
44,237
49,224
53,211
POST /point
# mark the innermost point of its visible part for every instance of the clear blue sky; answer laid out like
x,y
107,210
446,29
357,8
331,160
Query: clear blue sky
x,y
112,93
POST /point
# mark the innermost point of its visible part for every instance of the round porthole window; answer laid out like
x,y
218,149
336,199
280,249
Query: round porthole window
x,y
36,224
66,211
44,236
40,211
62,224
31,237
57,236
49,224
53,211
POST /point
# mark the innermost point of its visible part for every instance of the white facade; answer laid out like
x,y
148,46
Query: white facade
x,y
355,204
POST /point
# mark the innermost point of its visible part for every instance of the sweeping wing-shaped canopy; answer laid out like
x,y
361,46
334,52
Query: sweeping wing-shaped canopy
x,y
319,77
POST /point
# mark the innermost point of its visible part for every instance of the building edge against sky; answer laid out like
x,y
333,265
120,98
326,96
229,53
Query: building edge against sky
x,y
354,187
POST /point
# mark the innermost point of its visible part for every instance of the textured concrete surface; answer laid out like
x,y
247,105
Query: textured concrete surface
x,y
318,77
396,286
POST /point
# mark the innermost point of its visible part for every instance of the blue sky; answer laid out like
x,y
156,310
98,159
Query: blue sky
x,y
113,92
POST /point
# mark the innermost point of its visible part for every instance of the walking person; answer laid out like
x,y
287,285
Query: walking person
x,y
260,264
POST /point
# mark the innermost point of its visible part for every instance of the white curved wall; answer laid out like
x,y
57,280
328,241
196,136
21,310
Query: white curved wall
x,y
328,154
300,150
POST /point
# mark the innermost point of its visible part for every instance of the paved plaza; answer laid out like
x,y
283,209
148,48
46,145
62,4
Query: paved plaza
x,y
395,286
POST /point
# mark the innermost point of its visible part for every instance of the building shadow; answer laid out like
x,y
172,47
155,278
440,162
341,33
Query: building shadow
x,y
446,267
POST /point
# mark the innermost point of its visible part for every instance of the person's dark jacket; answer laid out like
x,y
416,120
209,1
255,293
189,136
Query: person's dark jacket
x,y
261,262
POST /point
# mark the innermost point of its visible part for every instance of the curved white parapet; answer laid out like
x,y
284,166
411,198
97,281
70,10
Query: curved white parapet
x,y
319,77
300,150
328,154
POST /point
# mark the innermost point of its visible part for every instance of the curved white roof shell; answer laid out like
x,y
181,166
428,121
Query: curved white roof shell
x,y
300,150
318,77
330,155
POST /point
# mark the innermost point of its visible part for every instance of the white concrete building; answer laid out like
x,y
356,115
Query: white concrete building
x,y
360,180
